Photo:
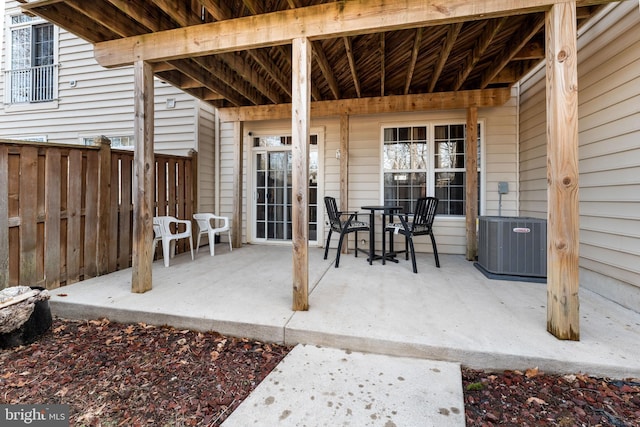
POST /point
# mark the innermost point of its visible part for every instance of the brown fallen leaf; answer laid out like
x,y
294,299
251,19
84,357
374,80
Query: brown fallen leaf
x,y
536,400
531,373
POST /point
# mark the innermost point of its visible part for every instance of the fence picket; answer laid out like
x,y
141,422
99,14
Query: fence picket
x,y
52,219
28,215
74,213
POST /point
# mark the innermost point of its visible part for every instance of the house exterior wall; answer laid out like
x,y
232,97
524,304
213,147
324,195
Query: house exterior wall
x,y
100,103
609,152
365,164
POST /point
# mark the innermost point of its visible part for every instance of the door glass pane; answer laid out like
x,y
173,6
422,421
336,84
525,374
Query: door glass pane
x,y
273,177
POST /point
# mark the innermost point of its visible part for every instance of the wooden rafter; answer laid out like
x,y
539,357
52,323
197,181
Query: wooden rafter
x,y
414,58
382,62
192,69
215,65
490,31
531,50
258,8
216,8
124,28
151,18
348,47
240,66
180,11
325,67
222,13
507,55
321,58
226,75
452,36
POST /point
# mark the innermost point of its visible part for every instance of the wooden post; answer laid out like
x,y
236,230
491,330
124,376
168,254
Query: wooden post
x,y
193,154
300,116
562,173
104,205
4,217
236,220
471,196
143,178
344,168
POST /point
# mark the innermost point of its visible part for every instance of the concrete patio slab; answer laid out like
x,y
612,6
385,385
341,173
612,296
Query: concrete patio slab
x,y
452,313
316,386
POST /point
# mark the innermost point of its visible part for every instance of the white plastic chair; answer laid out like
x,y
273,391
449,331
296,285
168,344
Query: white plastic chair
x,y
162,230
206,224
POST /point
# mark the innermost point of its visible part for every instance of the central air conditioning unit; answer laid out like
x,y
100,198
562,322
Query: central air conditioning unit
x,y
515,246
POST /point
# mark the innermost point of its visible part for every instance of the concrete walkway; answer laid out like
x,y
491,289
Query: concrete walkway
x,y
322,387
451,314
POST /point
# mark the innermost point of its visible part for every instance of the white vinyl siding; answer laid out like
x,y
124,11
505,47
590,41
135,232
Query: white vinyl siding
x,y
365,163
206,160
609,152
94,101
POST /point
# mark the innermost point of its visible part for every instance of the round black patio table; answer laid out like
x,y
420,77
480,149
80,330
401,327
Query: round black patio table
x,y
385,210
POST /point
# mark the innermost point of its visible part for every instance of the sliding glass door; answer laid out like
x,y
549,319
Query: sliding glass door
x,y
273,188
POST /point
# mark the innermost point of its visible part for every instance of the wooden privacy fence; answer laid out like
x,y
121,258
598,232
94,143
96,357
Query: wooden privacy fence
x,y
66,212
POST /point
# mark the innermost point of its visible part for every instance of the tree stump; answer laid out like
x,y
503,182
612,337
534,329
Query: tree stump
x,y
24,315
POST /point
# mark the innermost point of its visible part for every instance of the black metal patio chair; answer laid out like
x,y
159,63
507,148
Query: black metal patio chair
x,y
341,226
422,224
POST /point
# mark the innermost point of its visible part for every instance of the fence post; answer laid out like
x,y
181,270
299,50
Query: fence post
x,y
104,204
193,154
4,217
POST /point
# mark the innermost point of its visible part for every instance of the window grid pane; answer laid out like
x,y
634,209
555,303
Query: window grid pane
x,y
405,157
32,74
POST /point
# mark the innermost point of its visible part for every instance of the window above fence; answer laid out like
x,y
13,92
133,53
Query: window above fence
x,y
31,70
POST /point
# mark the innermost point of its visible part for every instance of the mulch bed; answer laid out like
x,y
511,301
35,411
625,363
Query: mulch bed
x,y
114,374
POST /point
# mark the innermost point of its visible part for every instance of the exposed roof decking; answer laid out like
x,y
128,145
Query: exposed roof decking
x,y
457,51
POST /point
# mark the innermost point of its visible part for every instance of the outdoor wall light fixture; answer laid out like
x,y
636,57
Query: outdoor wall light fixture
x,y
171,103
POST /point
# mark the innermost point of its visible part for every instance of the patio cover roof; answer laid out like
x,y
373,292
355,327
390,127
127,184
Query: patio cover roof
x,y
368,56
238,52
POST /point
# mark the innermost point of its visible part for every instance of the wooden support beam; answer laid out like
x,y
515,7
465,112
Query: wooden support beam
x,y
325,67
143,178
471,196
414,57
195,71
348,47
563,231
375,105
452,36
491,29
323,21
238,152
344,167
300,118
525,35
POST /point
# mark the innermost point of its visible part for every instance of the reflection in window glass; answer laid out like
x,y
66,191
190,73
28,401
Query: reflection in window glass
x,y
408,173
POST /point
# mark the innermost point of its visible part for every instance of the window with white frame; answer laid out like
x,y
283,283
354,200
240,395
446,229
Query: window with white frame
x,y
426,160
31,72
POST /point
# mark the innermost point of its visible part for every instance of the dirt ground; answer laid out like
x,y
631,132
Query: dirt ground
x,y
114,374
